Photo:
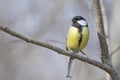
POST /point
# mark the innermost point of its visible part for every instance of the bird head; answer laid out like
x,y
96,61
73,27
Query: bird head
x,y
79,20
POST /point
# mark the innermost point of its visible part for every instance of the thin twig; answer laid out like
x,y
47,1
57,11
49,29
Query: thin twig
x,y
113,52
54,48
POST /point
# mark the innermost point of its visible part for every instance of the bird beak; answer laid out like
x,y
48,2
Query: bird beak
x,y
74,20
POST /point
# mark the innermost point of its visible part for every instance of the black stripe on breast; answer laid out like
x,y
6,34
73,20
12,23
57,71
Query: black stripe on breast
x,y
81,36
80,39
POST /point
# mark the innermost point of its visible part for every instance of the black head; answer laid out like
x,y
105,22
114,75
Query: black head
x,y
79,20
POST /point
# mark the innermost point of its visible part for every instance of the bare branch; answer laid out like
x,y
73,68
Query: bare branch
x,y
105,57
105,19
54,48
101,34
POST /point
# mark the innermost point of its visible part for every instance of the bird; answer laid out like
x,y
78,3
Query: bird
x,y
76,40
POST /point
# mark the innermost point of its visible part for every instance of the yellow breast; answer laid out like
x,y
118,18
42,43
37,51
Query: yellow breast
x,y
73,38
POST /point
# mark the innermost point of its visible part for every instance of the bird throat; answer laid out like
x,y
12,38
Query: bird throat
x,y
76,25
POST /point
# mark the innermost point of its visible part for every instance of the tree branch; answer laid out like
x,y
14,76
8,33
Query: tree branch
x,y
101,34
105,57
56,49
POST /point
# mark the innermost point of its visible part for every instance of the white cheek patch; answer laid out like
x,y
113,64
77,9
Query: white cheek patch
x,y
82,22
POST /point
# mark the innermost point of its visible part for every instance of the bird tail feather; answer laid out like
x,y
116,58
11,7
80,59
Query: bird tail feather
x,y
70,67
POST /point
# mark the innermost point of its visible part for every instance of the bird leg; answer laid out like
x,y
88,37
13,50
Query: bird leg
x,y
84,55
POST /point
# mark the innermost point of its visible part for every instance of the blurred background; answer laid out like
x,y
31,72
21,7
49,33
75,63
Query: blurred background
x,y
48,21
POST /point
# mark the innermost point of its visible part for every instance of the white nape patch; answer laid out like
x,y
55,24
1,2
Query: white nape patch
x,y
82,22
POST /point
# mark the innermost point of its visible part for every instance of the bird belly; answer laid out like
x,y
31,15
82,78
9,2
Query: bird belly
x,y
73,36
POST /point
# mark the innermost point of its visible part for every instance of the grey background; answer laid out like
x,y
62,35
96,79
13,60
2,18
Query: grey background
x,y
48,21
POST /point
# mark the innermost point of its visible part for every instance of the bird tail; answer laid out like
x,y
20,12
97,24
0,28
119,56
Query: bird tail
x,y
70,67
